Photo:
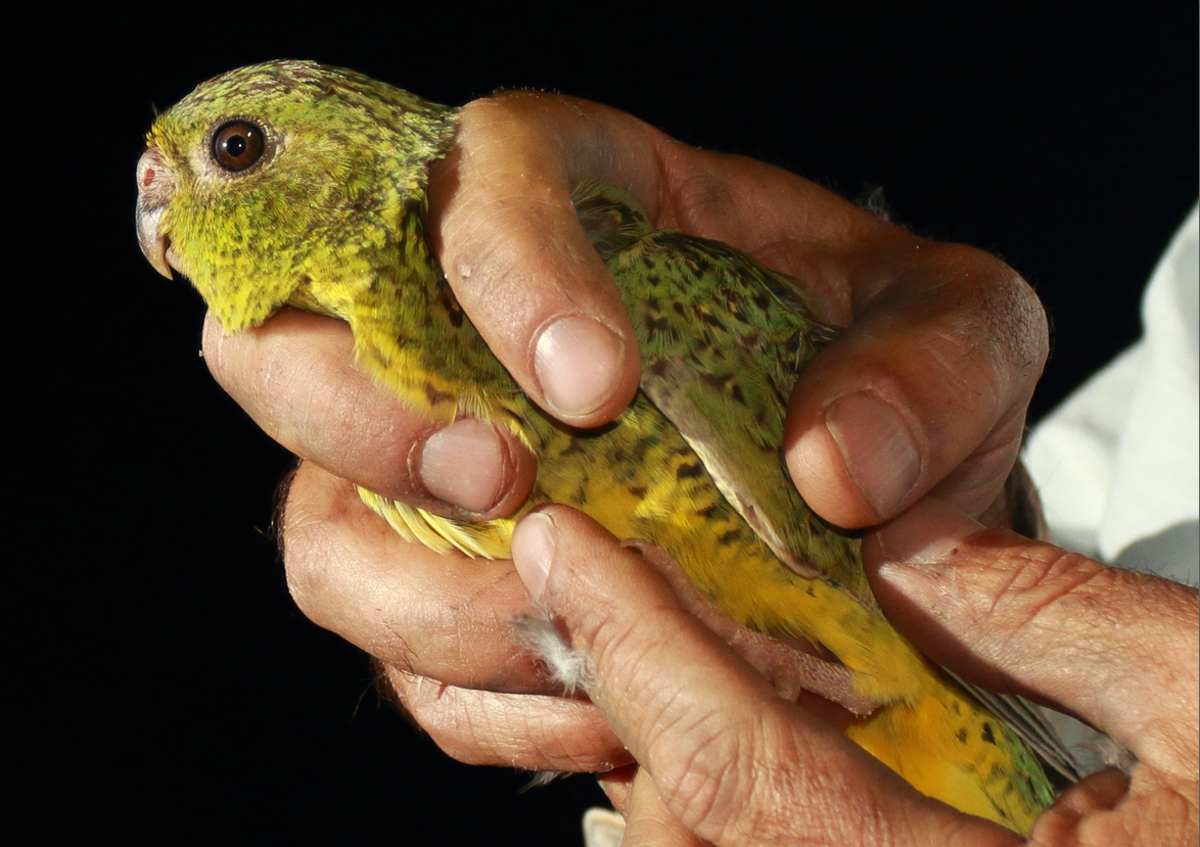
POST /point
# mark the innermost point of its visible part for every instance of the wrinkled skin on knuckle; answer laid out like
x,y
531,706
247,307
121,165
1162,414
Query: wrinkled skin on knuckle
x,y
311,507
955,321
1099,637
977,483
1030,585
746,781
982,317
692,197
422,702
712,789
343,573
538,733
996,306
1046,581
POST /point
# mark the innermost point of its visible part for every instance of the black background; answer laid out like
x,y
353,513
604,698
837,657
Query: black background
x,y
166,688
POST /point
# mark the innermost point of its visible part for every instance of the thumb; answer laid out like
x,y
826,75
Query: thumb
x,y
1118,648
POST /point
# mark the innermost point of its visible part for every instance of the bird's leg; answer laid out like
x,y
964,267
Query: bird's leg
x,y
793,665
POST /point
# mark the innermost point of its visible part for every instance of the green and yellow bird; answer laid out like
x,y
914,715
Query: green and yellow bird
x,y
290,183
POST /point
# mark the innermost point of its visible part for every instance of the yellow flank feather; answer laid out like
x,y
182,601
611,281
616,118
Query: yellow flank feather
x,y
292,183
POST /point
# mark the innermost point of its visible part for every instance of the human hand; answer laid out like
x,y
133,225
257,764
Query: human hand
x,y
946,335
723,759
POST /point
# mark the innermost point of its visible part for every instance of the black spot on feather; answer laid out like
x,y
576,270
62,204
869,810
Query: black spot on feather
x,y
436,397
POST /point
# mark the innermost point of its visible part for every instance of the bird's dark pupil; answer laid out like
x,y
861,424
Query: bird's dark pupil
x,y
237,146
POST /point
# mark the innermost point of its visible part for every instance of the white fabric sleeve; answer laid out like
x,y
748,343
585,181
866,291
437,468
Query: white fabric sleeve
x,y
1118,464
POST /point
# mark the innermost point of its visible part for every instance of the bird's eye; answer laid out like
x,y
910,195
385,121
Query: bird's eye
x,y
237,145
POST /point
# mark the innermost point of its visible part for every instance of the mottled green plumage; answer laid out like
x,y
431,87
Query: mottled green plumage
x,y
329,216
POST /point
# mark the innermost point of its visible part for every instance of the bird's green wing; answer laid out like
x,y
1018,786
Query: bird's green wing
x,y
722,341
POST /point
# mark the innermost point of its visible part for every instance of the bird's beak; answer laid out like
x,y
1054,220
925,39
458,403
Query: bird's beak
x,y
156,185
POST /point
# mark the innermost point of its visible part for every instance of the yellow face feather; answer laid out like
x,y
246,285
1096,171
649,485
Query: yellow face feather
x,y
292,183
324,166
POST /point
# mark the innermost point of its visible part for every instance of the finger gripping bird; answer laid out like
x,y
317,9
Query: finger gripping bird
x,y
290,183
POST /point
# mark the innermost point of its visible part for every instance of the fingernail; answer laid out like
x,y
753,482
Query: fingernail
x,y
924,535
578,364
877,447
463,464
533,551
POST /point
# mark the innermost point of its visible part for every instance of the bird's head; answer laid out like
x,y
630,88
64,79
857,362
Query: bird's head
x,y
281,175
